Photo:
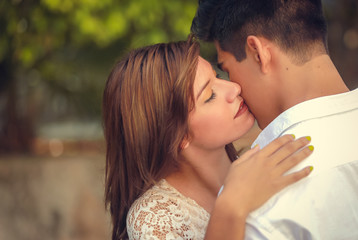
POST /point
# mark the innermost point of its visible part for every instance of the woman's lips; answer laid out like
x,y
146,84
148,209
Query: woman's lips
x,y
243,108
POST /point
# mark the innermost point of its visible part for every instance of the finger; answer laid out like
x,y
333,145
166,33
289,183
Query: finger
x,y
289,149
249,153
277,144
294,159
295,177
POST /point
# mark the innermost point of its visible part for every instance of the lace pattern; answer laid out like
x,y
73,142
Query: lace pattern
x,y
164,213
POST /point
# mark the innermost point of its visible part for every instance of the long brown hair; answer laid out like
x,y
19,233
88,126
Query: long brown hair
x,y
146,103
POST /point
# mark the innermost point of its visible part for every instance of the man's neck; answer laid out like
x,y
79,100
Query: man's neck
x,y
316,78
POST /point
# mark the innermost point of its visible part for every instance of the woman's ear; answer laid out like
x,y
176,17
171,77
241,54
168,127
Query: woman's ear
x,y
258,48
184,143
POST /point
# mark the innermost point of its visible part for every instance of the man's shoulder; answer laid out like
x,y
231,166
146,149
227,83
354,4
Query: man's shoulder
x,y
327,198
343,108
322,206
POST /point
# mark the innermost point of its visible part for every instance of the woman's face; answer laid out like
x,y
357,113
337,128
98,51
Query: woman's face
x,y
220,115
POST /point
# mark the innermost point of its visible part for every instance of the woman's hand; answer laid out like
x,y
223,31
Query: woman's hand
x,y
259,174
253,179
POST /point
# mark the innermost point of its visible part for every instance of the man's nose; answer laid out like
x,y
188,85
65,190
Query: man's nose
x,y
234,90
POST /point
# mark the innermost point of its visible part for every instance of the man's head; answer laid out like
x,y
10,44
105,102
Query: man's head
x,y
291,24
296,28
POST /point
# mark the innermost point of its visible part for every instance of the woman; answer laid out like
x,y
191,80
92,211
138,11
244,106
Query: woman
x,y
169,123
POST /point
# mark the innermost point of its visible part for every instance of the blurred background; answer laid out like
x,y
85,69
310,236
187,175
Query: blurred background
x,y
55,56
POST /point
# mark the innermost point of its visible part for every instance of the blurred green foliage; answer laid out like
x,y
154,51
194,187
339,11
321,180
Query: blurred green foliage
x,y
33,28
55,54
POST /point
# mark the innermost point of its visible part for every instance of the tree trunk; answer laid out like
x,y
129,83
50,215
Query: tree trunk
x,y
16,130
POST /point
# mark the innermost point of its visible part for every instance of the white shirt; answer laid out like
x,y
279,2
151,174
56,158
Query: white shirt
x,y
325,204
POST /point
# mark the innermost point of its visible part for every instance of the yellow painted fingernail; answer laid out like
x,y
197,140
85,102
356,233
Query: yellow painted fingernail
x,y
311,147
256,146
308,138
311,168
293,135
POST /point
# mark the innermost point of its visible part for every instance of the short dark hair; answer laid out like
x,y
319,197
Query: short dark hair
x,y
294,25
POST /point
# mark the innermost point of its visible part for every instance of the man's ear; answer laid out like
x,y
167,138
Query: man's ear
x,y
258,48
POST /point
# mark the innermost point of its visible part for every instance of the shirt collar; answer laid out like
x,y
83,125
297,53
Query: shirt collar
x,y
310,109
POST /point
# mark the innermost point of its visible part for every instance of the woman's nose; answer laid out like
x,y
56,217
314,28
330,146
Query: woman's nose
x,y
233,90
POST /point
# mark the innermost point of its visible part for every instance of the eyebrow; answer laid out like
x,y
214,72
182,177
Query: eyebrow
x,y
202,89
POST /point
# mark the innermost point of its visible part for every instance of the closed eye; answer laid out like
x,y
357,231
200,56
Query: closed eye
x,y
213,95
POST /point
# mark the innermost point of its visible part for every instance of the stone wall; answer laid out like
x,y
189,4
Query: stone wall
x,y
53,198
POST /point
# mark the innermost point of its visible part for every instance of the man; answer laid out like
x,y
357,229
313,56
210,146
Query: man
x,y
277,51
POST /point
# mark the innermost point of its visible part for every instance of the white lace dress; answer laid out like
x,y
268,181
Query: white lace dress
x,y
164,213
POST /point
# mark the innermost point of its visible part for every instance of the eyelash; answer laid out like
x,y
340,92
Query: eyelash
x,y
213,95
